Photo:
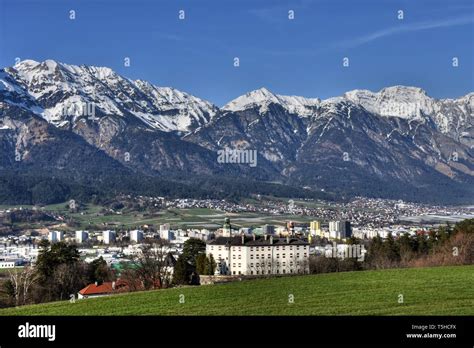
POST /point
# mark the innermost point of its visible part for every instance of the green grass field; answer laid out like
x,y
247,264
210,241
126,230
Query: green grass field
x,y
89,217
426,291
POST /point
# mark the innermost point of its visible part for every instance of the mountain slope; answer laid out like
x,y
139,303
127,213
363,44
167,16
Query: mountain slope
x,y
397,143
359,144
453,117
134,122
61,90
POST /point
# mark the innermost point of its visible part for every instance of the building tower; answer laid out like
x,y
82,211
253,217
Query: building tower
x,y
227,228
315,228
290,226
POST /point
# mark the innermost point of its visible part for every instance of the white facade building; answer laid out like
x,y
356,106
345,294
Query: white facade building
x,y
259,255
165,232
165,227
167,235
136,236
81,236
55,236
9,264
108,236
339,229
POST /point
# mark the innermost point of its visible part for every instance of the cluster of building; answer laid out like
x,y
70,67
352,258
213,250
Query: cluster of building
x,y
106,237
336,230
256,250
14,255
361,211
261,250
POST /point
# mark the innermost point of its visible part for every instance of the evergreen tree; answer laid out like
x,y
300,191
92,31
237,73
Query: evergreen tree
x,y
50,258
375,250
182,271
406,247
60,271
422,246
465,226
390,249
444,233
99,271
202,264
211,265
192,248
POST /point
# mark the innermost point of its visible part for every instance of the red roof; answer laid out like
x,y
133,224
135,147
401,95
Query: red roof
x,y
104,288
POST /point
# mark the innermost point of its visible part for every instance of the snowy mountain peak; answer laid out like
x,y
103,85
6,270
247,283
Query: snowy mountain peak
x,y
99,72
400,89
57,87
27,63
259,97
261,93
29,69
50,64
399,101
262,98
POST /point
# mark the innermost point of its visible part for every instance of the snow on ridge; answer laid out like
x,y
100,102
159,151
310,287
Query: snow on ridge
x,y
262,97
162,108
398,101
405,102
169,109
394,101
173,110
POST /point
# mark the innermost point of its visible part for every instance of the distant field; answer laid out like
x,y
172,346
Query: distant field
x,y
5,270
426,291
178,218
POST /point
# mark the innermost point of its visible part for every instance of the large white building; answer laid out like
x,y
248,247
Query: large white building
x,y
165,227
81,236
339,229
108,236
136,236
165,232
259,255
11,263
55,236
167,235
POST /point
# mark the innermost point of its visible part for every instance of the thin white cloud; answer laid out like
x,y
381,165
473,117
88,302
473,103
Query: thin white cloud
x,y
403,28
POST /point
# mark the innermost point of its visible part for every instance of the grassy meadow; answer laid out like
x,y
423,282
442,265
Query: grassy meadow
x,y
426,291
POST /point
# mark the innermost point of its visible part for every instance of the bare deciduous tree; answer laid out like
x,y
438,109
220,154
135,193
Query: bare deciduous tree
x,y
22,282
154,265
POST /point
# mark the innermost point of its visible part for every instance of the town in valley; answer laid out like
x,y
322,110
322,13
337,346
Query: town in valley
x,y
259,237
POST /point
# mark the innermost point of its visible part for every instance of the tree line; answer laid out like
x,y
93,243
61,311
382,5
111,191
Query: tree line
x,y
446,245
59,272
23,187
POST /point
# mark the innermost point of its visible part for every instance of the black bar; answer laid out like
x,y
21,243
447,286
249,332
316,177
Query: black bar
x,y
291,331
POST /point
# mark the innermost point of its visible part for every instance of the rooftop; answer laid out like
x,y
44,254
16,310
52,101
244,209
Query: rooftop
x,y
259,241
104,288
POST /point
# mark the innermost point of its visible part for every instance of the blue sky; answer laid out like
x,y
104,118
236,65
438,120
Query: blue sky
x,y
295,57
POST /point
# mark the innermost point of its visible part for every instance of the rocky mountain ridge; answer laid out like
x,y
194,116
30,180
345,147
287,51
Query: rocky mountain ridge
x,y
397,142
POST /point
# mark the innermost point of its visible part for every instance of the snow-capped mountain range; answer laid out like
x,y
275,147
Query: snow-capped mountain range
x,y
450,115
57,87
406,142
